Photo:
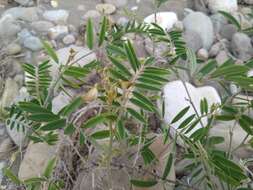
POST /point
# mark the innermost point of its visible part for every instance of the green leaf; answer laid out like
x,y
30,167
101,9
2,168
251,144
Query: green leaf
x,y
180,115
139,183
121,67
8,173
50,168
121,130
230,70
141,104
186,121
92,122
130,53
103,31
43,117
101,134
136,115
203,106
246,123
168,166
191,56
144,99
225,117
231,19
75,104
31,107
50,51
89,34
70,129
58,124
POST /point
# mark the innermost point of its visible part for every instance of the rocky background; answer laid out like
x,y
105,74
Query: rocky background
x,y
23,23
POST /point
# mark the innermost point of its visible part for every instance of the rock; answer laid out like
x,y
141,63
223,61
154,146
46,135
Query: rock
x,y
193,40
244,21
202,25
222,5
9,94
215,49
122,21
41,26
228,31
13,49
222,57
33,43
160,48
178,100
9,27
69,39
218,21
179,26
117,3
241,46
57,32
5,148
202,54
249,2
91,14
23,34
250,73
83,53
56,16
105,8
35,160
222,129
28,14
164,19
60,101
23,2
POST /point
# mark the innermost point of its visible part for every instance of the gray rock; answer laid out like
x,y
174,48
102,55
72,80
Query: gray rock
x,y
218,21
23,34
117,3
193,40
221,57
105,8
122,21
157,49
57,16
5,148
23,2
215,49
241,46
60,101
42,26
202,25
8,27
222,5
69,39
228,31
29,14
13,49
58,32
33,43
249,2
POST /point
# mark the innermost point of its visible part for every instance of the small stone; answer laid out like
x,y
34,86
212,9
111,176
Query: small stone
x,y
42,26
9,27
222,57
13,49
117,3
60,101
69,39
5,148
202,54
23,2
122,21
57,16
164,19
215,49
222,5
179,26
105,8
57,32
33,43
193,40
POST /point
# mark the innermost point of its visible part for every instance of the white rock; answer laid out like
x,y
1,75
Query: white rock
x,y
42,26
35,160
69,39
58,32
176,99
23,2
29,14
222,5
57,16
202,54
82,57
164,19
250,73
13,49
60,101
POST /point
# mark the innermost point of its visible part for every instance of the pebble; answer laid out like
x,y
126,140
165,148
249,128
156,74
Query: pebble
x,y
69,39
56,16
42,26
222,57
222,5
215,49
105,8
9,27
33,43
13,49
117,3
202,54
58,32
28,14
